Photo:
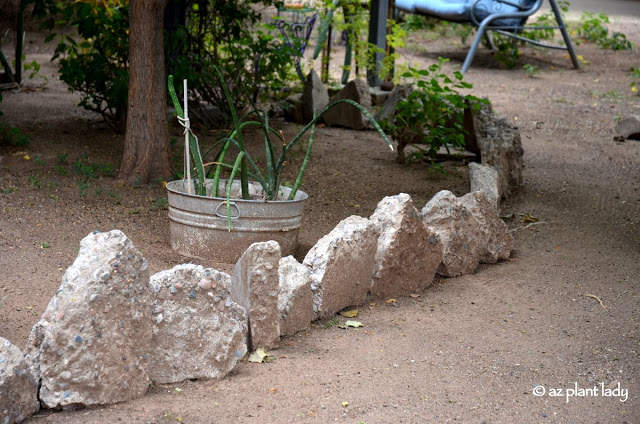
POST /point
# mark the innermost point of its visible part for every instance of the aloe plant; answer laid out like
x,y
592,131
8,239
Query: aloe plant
x,y
243,163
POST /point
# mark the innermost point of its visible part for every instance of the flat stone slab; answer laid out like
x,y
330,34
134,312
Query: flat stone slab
x,y
295,301
255,287
341,265
92,344
18,386
408,253
198,331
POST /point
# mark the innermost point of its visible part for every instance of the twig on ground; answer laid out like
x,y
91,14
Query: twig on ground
x,y
621,294
593,296
513,230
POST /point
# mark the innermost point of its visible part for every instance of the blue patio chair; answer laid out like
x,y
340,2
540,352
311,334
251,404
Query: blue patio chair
x,y
506,17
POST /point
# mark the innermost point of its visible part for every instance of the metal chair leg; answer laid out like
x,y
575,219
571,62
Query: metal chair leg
x,y
565,34
474,46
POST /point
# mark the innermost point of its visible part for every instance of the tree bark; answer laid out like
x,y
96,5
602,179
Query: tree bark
x,y
146,148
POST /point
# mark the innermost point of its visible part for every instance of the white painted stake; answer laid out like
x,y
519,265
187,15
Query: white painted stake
x,y
187,126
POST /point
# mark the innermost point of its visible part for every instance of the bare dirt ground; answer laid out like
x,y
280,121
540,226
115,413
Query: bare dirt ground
x,y
470,349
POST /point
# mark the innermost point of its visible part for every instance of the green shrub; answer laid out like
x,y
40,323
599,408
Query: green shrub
x,y
95,62
229,35
432,115
592,27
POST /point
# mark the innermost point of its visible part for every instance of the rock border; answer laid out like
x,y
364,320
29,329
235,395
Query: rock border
x,y
395,252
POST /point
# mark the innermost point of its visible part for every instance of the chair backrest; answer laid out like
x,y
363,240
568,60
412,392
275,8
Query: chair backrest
x,y
515,12
511,12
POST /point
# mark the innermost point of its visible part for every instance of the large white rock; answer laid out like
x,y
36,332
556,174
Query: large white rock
x,y
497,242
485,179
408,253
198,331
459,230
295,302
91,345
255,287
18,386
341,265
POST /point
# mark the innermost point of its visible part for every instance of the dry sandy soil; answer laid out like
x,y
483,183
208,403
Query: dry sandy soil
x,y
469,349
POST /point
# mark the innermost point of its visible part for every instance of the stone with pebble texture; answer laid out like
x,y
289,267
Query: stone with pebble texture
x,y
341,265
295,301
18,386
91,345
459,231
198,331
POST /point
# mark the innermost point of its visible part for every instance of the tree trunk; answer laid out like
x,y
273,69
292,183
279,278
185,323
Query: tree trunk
x,y
146,149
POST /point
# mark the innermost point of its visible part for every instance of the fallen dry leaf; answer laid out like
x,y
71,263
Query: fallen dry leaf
x,y
392,300
414,295
354,324
349,314
260,355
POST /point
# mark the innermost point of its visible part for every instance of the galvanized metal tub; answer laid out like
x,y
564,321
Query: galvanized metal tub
x,y
199,224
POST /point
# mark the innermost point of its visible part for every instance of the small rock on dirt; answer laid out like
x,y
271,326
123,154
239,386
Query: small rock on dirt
x,y
18,386
628,129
